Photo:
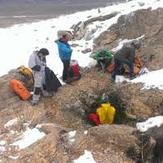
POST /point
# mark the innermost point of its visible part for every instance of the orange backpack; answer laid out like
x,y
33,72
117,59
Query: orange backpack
x,y
19,89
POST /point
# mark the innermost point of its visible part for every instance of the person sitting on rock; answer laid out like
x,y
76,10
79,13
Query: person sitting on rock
x,y
65,52
126,55
37,62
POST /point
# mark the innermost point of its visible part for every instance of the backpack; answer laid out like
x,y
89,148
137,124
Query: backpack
x,y
19,89
137,65
106,113
51,81
27,75
25,71
74,71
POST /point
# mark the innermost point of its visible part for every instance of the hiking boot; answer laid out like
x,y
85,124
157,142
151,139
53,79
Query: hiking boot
x,y
33,103
112,79
47,94
67,81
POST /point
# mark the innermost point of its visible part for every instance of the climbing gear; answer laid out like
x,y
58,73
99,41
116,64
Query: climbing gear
x,y
19,89
27,76
27,72
137,65
93,117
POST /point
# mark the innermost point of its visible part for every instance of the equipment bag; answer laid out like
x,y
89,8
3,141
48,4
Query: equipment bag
x,y
19,89
137,65
106,113
27,76
27,72
51,81
74,72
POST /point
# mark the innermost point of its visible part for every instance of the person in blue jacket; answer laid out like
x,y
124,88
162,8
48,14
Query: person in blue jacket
x,y
65,52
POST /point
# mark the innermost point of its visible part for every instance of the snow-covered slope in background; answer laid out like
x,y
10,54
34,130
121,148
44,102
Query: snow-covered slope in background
x,y
18,42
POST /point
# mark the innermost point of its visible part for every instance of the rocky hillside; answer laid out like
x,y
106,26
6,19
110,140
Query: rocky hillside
x,y
147,23
61,120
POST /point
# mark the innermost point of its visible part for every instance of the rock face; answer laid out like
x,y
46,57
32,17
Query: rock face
x,y
80,30
145,22
67,111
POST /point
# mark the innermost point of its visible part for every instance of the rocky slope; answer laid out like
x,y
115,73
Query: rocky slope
x,y
62,119
147,23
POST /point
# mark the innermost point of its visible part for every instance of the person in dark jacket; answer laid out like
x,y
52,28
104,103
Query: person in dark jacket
x,y
65,52
126,55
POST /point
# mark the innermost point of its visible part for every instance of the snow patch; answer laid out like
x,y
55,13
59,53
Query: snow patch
x,y
125,42
14,157
86,158
2,149
11,123
120,79
71,136
151,122
29,137
153,79
2,142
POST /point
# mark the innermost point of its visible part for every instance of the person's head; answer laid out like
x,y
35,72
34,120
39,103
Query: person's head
x,y
64,36
136,44
43,52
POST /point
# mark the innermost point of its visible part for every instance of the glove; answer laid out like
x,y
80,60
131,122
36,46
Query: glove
x,y
36,68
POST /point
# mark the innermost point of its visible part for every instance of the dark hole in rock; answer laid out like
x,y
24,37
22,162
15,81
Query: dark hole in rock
x,y
114,99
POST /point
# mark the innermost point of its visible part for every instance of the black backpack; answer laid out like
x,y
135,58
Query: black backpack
x,y
51,81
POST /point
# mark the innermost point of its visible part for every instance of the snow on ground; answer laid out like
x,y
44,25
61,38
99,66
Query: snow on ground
x,y
14,157
2,146
151,122
2,149
71,136
125,42
86,158
29,137
152,79
2,142
11,123
18,42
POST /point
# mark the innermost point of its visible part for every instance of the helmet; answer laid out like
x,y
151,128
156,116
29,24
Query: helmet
x,y
44,51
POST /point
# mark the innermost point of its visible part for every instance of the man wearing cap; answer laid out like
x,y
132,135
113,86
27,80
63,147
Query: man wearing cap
x,y
37,62
65,52
126,55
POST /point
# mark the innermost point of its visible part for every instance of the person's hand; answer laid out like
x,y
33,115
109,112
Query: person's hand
x,y
36,68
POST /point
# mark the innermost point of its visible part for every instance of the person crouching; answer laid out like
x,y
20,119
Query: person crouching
x,y
126,55
37,62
